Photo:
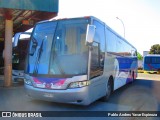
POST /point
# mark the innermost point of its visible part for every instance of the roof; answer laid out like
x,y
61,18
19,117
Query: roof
x,y
152,55
36,5
25,13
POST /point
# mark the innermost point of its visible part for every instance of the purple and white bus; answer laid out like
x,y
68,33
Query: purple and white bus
x,y
77,61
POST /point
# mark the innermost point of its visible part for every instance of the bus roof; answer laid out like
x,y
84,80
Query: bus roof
x,y
92,17
152,55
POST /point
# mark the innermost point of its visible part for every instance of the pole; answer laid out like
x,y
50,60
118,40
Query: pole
x,y
123,25
8,53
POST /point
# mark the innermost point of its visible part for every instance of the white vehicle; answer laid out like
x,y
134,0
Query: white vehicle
x,y
77,61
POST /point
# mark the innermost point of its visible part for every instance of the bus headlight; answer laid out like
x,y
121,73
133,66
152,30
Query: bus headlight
x,y
28,81
79,84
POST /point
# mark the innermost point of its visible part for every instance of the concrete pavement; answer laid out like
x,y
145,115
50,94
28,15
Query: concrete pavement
x,y
142,95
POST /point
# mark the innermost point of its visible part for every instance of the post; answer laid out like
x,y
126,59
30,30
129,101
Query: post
x,y
123,26
8,53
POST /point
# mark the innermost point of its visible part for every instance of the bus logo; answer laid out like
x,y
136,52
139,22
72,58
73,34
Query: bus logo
x,y
48,85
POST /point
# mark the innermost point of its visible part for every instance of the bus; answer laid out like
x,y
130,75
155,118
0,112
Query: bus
x,y
77,61
19,53
151,63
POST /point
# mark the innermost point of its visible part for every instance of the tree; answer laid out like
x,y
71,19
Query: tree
x,y
155,49
139,56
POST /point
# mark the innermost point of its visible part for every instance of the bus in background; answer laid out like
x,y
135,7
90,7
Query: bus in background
x,y
77,61
19,53
151,63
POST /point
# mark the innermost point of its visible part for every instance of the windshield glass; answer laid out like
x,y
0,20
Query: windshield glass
x,y
40,47
19,54
58,48
70,54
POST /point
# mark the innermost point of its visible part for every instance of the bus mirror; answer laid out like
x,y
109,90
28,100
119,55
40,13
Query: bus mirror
x,y
17,37
33,48
90,34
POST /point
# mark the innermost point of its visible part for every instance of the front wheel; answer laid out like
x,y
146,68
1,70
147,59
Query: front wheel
x,y
108,91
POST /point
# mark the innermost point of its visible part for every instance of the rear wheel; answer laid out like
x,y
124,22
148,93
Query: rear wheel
x,y
132,76
108,90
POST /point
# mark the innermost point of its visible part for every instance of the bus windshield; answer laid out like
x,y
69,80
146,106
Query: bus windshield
x,y
19,54
58,48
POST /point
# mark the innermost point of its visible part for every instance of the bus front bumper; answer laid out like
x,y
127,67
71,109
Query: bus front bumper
x,y
73,96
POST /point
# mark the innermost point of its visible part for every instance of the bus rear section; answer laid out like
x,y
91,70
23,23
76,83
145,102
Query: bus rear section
x,y
151,63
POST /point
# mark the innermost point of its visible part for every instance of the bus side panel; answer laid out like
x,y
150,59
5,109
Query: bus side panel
x,y
151,67
124,68
121,59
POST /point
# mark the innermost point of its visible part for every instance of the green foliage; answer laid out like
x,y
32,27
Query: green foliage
x,y
155,49
139,56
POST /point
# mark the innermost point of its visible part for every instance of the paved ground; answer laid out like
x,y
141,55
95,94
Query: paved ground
x,y
142,95
155,77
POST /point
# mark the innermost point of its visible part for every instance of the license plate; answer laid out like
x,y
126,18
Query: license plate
x,y
48,95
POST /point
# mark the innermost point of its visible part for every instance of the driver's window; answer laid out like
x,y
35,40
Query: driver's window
x,y
98,51
95,60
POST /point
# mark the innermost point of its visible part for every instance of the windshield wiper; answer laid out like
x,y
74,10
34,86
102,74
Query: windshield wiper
x,y
34,46
38,58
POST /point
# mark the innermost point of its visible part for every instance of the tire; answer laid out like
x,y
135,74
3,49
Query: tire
x,y
133,76
108,91
131,82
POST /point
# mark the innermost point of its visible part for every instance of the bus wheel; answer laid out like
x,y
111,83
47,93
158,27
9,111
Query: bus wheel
x,y
109,90
132,76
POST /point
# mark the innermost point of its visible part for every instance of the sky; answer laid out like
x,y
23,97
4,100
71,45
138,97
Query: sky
x,y
141,18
